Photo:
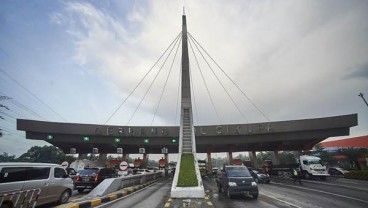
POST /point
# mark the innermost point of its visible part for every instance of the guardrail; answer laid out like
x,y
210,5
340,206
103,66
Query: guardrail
x,y
27,198
110,185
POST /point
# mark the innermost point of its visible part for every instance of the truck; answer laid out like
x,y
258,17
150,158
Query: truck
x,y
309,166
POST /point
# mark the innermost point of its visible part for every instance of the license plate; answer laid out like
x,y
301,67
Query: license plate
x,y
85,179
246,192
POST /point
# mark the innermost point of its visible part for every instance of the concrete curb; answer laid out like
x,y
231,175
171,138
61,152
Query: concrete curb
x,y
86,203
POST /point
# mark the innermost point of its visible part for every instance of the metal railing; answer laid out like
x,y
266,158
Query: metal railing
x,y
26,198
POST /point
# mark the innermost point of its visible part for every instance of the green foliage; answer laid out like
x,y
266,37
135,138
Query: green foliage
x,y
5,157
45,154
326,157
287,157
242,157
187,175
262,156
353,154
357,174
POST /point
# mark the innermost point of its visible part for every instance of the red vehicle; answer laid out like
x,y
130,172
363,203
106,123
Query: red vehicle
x,y
162,163
137,163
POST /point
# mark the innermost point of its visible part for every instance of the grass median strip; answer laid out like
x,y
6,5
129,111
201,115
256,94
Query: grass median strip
x,y
187,175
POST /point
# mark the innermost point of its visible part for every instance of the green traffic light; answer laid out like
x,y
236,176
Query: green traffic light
x,y
146,141
173,140
49,137
86,138
117,140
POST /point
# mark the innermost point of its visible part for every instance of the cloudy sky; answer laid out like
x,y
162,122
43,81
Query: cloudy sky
x,y
77,61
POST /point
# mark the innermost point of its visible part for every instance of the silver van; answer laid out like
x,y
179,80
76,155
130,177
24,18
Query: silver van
x,y
30,184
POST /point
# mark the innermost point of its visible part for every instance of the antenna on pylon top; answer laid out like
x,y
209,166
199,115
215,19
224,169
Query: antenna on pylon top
x,y
183,10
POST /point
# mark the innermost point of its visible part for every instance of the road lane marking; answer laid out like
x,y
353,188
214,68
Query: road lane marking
x,y
325,192
331,184
285,202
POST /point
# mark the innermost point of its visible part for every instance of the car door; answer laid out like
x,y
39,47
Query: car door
x,y
38,177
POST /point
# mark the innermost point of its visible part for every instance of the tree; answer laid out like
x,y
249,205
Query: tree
x,y
353,154
286,157
262,156
45,154
325,156
5,157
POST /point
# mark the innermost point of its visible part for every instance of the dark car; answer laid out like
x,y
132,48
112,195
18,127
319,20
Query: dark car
x,y
236,180
259,176
89,178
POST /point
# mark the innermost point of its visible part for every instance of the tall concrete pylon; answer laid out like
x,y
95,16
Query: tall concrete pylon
x,y
187,137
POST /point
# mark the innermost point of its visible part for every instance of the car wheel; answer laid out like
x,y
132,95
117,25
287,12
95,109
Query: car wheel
x,y
80,190
307,175
268,181
6,205
255,196
64,197
219,189
229,194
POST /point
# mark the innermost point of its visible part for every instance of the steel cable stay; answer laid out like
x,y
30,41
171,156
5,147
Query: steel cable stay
x,y
32,95
149,71
205,83
23,107
228,94
178,97
193,93
153,81
167,78
232,81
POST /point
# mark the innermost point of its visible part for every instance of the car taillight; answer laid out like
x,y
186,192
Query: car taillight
x,y
97,177
79,178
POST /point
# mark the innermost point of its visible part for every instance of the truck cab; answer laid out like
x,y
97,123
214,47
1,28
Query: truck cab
x,y
236,180
312,166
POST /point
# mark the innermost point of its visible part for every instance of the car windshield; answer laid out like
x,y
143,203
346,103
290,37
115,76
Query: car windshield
x,y
237,172
311,162
88,171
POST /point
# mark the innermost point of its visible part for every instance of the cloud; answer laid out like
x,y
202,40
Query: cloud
x,y
358,72
287,56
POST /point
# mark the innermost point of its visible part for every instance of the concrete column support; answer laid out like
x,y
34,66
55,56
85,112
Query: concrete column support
x,y
125,157
209,165
166,157
253,159
275,157
230,156
145,160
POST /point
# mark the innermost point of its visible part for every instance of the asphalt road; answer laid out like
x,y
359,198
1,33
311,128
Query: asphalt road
x,y
284,193
279,193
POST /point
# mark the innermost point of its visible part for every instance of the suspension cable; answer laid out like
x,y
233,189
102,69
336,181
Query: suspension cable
x,y
254,105
232,100
121,104
194,98
167,78
177,99
205,83
153,81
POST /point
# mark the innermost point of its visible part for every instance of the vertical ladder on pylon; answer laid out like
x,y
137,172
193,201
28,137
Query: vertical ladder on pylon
x,y
187,132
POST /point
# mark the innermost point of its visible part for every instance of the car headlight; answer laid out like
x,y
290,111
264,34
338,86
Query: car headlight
x,y
232,184
254,183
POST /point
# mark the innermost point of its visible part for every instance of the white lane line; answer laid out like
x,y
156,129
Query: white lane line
x,y
285,202
325,192
331,184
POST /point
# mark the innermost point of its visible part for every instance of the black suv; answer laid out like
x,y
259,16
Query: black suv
x,y
89,178
236,180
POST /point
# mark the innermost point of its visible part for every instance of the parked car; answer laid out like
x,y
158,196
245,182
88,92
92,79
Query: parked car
x,y
72,174
259,176
89,178
337,171
49,180
214,171
236,180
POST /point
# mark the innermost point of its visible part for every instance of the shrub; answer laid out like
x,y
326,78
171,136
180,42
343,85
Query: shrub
x,y
357,174
187,175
